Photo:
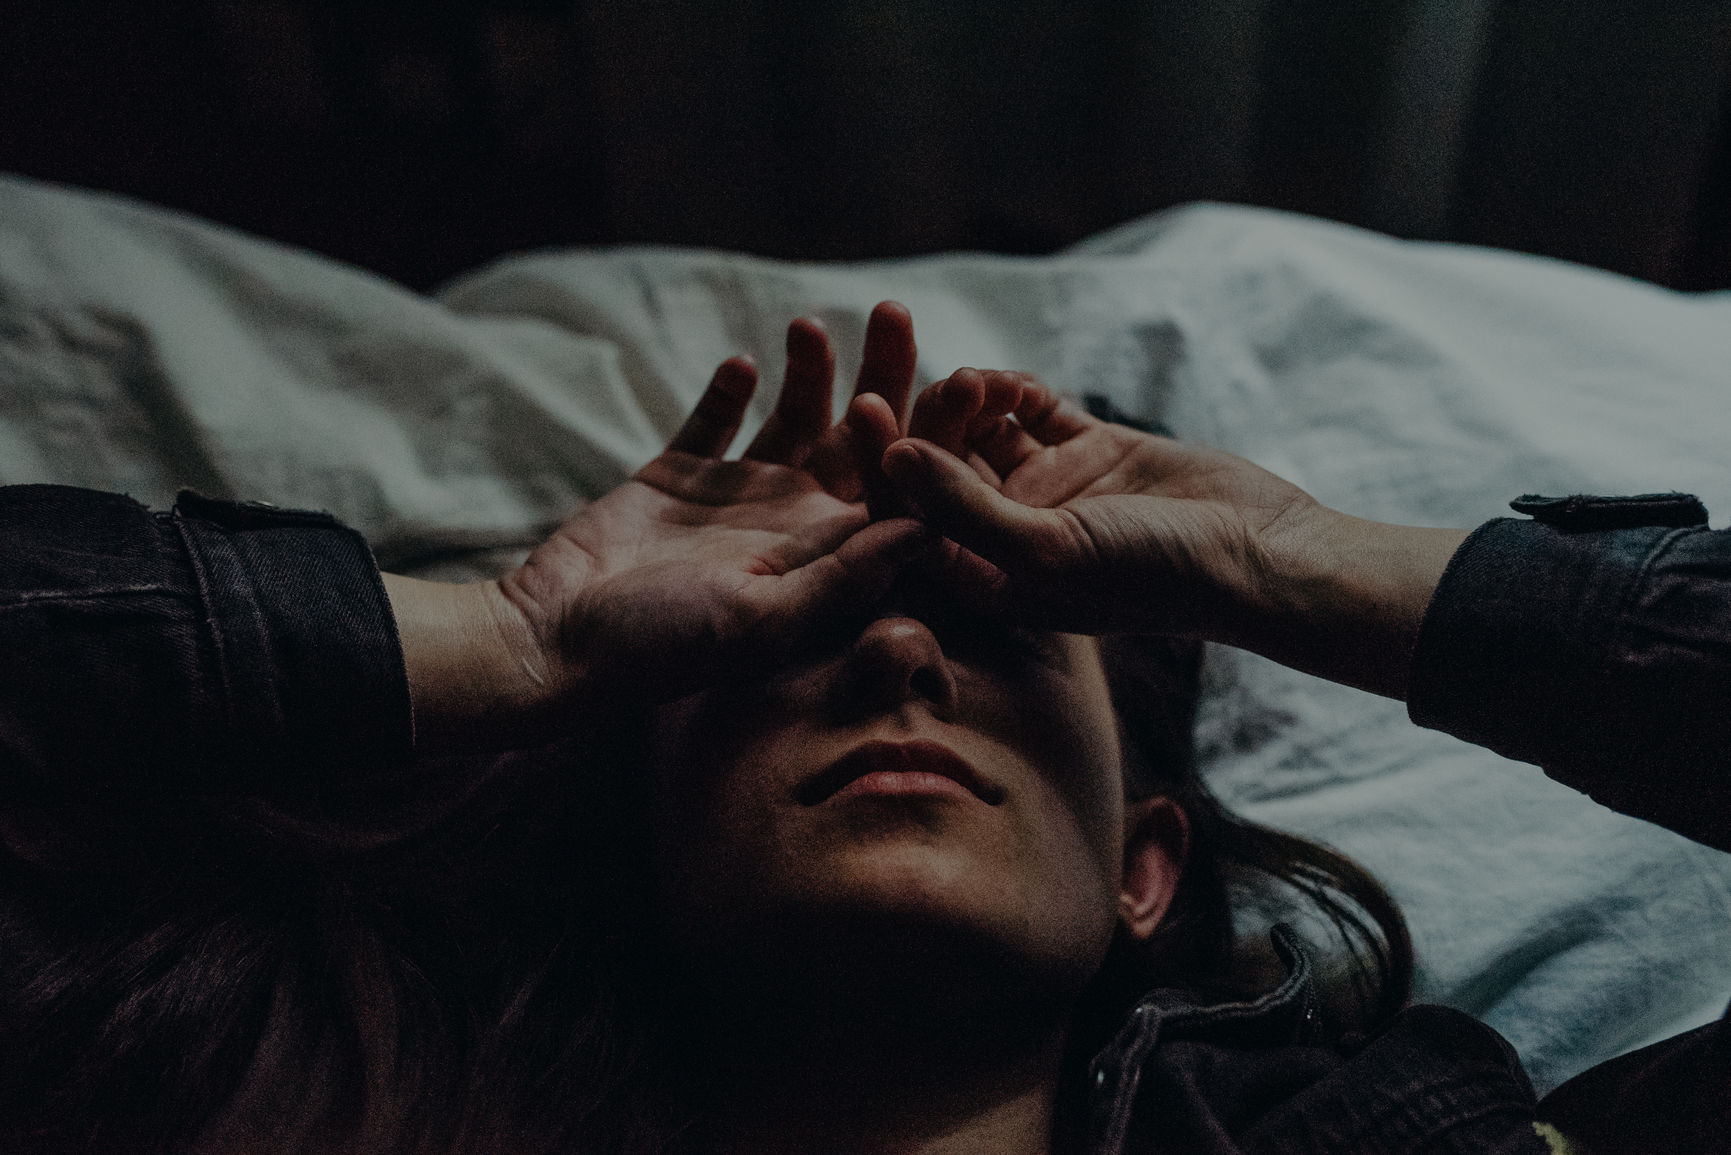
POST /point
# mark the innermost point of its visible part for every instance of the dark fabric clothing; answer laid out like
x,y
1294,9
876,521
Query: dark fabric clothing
x,y
1255,1079
241,648
1603,655
1616,648
229,647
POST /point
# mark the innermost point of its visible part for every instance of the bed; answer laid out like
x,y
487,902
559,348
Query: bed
x,y
142,351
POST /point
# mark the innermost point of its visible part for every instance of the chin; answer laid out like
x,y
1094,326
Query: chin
x,y
1033,908
904,928
913,875
939,913
896,958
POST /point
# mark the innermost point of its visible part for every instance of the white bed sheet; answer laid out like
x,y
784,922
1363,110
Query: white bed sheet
x,y
142,351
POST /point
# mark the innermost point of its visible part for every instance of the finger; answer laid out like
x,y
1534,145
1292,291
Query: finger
x,y
890,359
991,429
720,411
853,577
1051,419
1001,443
1003,391
845,460
971,579
987,474
944,413
872,429
952,499
816,538
802,412
941,414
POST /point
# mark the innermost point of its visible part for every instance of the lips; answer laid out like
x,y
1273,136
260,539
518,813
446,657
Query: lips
x,y
897,758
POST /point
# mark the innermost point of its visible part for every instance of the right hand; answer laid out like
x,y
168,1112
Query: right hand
x,y
699,567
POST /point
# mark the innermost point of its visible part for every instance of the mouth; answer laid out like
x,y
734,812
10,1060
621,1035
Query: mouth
x,y
913,759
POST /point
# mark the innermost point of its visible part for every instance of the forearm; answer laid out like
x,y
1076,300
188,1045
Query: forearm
x,y
1602,655
1342,598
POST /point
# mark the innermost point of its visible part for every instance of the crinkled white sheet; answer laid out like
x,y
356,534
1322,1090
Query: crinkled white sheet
x,y
142,351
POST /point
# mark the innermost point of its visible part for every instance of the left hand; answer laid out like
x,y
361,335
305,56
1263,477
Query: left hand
x,y
1067,522
1062,521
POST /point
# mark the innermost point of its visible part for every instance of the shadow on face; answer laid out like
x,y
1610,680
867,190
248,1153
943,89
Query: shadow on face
x,y
934,805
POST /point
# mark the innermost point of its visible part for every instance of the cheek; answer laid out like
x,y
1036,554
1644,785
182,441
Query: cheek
x,y
681,790
1054,879
1065,727
1069,860
712,816
1072,856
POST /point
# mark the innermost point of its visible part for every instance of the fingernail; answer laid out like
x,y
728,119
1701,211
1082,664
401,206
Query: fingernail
x,y
738,375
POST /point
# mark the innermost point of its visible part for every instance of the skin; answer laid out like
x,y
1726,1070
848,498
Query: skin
x,y
1062,520
924,953
900,975
694,567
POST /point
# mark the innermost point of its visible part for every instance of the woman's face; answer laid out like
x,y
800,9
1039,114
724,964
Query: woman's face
x,y
790,826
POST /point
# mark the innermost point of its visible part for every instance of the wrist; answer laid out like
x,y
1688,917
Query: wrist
x,y
478,678
1342,597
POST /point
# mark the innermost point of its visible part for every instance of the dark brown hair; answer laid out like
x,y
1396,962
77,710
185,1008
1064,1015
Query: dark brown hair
x,y
473,973
1234,864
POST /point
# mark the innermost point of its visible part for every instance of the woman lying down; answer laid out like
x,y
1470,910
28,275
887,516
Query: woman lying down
x,y
834,798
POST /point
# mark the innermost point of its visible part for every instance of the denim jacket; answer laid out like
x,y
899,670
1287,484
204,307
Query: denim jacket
x,y
239,648
1256,1077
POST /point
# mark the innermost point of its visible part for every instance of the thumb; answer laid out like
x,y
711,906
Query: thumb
x,y
956,502
858,573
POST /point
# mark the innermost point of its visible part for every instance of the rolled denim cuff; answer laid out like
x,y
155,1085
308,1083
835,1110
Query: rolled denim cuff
x,y
1603,657
305,647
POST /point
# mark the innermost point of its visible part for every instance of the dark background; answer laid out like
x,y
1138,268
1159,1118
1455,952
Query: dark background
x,y
421,138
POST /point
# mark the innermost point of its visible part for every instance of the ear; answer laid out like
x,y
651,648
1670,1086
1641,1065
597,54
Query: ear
x,y
1156,843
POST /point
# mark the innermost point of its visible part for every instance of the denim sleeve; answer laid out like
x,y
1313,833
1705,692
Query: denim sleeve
x,y
1603,657
221,647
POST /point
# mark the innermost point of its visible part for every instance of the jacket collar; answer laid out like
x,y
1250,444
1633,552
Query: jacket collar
x,y
1287,1014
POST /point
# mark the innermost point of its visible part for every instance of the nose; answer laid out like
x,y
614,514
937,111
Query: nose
x,y
898,660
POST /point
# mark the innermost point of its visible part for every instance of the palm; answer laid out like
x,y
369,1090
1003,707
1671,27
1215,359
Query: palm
x,y
1140,518
691,564
1109,460
699,566
1150,518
